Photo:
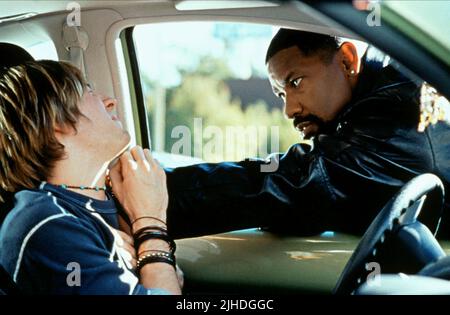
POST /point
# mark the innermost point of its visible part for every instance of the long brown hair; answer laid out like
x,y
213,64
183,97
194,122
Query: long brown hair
x,y
34,98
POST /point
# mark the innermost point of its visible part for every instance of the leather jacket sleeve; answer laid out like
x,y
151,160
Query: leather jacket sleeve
x,y
340,185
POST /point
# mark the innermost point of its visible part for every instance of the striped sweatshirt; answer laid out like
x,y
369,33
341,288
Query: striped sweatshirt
x,y
56,241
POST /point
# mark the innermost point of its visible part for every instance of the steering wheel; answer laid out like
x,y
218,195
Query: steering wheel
x,y
424,193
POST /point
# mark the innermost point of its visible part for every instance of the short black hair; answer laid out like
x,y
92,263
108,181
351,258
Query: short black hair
x,y
308,43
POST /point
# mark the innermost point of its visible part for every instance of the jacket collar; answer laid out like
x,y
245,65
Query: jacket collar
x,y
373,79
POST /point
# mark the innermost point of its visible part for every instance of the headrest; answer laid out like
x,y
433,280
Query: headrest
x,y
13,55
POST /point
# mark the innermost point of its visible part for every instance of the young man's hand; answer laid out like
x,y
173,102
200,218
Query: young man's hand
x,y
139,183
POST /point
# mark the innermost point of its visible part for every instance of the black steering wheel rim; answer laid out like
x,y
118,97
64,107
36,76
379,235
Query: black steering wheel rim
x,y
426,191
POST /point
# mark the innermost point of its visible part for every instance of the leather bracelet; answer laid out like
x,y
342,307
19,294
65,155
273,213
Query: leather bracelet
x,y
148,217
139,232
149,235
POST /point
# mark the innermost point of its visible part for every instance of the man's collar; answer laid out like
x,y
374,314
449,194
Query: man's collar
x,y
374,77
367,79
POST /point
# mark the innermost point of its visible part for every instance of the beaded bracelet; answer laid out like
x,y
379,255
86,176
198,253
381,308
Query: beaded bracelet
x,y
154,257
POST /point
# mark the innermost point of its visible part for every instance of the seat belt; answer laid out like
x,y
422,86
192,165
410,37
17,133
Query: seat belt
x,y
76,41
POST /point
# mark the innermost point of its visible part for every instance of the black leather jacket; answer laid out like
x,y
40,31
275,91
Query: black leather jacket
x,y
357,164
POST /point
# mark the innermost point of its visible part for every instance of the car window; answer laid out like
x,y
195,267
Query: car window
x,y
206,90
418,12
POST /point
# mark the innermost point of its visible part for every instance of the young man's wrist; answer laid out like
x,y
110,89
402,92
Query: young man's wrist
x,y
153,245
143,221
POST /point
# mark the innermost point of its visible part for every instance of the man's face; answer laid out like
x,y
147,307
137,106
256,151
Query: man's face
x,y
102,132
313,90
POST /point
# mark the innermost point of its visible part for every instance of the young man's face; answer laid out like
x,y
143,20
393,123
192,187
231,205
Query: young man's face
x,y
102,131
313,90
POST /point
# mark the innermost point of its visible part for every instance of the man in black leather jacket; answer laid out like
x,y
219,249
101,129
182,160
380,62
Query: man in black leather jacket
x,y
363,120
